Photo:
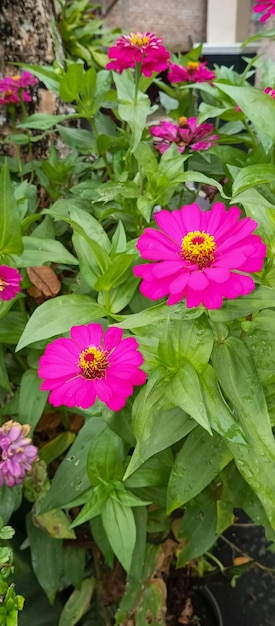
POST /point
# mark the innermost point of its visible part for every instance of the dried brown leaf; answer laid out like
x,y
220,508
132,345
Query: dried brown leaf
x,y
44,278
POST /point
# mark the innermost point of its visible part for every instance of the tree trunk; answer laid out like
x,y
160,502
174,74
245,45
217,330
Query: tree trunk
x,y
28,34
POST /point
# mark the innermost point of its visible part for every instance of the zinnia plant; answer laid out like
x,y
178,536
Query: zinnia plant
x,y
137,305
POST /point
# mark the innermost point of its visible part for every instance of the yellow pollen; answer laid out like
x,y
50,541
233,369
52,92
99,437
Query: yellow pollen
x,y
16,77
192,65
138,39
198,247
183,120
3,284
93,363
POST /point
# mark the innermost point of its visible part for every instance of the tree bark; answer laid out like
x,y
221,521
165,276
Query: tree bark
x,y
29,35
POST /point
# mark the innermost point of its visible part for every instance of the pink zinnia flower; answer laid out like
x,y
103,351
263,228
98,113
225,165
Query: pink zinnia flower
x,y
265,5
144,48
203,256
193,72
186,134
16,453
90,364
9,282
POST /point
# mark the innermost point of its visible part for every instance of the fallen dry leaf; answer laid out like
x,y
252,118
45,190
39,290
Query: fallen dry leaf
x,y
241,560
45,280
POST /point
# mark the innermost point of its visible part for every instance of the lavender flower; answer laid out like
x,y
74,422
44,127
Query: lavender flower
x,y
16,453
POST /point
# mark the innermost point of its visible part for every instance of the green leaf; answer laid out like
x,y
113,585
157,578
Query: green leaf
x,y
10,231
4,379
199,461
135,576
32,400
93,507
106,457
185,391
156,314
10,500
156,425
70,479
256,105
74,560
56,446
78,138
197,528
120,528
221,418
262,298
133,107
251,176
78,603
71,82
38,251
115,274
12,327
238,378
190,340
55,523
46,554
57,316
44,121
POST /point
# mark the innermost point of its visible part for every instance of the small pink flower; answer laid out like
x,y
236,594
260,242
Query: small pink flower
x,y
144,48
265,6
193,72
270,92
14,87
16,453
90,364
186,134
203,256
9,282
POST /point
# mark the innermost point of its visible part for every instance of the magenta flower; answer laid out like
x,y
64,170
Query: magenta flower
x,y
193,72
202,256
9,282
90,364
14,87
186,134
270,92
144,48
16,453
265,6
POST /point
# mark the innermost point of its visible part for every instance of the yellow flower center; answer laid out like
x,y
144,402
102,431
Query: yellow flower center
x,y
198,247
3,284
183,120
139,40
16,77
192,65
7,93
93,363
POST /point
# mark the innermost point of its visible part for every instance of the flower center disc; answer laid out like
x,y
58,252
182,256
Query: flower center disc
x,y
192,65
198,247
93,363
3,284
139,40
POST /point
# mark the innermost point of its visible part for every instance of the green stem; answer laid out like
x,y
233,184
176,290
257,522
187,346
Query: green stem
x,y
137,79
251,133
17,149
107,165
